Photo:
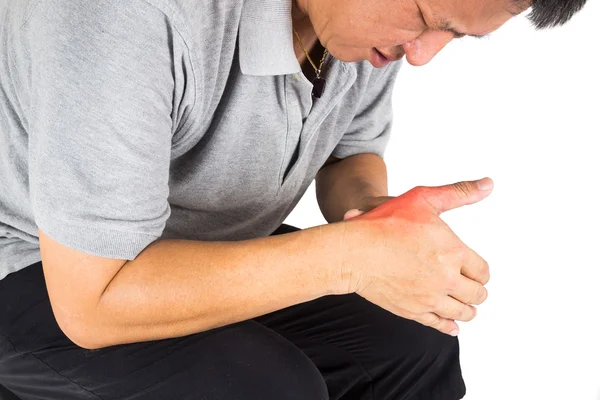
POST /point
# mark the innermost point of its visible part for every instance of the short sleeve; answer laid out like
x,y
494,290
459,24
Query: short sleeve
x,y
370,129
100,123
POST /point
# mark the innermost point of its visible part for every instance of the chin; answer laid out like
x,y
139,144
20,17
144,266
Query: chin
x,y
347,56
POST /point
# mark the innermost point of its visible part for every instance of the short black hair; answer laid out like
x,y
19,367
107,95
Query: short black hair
x,y
551,13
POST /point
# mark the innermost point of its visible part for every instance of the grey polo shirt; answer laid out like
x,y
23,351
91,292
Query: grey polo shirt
x,y
122,122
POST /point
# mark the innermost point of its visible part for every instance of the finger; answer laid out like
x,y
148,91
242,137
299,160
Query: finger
x,y
453,309
443,325
476,268
448,197
352,214
468,291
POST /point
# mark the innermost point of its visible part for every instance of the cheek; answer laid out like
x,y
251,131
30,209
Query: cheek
x,y
352,27
367,36
367,24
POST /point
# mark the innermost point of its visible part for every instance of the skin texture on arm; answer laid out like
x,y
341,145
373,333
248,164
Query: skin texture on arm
x,y
176,287
351,183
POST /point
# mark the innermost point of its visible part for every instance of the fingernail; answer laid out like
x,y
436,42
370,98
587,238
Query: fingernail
x,y
485,184
454,332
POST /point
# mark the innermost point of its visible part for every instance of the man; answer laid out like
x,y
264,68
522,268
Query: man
x,y
152,148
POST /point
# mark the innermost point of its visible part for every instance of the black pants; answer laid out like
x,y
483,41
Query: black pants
x,y
334,347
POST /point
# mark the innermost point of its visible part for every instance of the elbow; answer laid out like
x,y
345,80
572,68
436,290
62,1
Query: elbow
x,y
86,333
88,343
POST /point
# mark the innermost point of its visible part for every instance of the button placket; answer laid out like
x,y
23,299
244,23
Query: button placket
x,y
293,128
340,77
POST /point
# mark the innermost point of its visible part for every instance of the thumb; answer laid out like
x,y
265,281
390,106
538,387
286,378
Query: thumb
x,y
448,197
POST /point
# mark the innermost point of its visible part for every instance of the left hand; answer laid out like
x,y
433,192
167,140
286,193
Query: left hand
x,y
366,205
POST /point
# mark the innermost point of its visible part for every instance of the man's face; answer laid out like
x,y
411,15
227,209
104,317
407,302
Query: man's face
x,y
385,30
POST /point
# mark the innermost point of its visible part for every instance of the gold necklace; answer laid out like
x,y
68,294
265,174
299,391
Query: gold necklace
x,y
318,82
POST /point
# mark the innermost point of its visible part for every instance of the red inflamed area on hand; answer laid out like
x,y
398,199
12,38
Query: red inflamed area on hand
x,y
421,203
416,266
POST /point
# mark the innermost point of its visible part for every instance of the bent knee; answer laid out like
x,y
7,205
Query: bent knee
x,y
428,346
420,363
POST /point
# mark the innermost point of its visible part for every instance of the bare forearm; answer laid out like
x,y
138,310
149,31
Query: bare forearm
x,y
175,288
343,185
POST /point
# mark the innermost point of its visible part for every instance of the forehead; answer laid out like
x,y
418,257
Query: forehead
x,y
473,16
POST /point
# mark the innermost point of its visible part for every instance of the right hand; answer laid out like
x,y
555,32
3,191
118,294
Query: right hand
x,y
404,258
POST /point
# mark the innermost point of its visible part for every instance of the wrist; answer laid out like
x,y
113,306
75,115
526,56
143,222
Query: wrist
x,y
347,264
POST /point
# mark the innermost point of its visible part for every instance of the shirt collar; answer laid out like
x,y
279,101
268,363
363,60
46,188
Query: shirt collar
x,y
266,44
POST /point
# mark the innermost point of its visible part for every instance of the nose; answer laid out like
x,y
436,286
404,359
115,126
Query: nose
x,y
422,49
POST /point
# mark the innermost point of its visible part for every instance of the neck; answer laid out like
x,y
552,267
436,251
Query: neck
x,y
299,9
302,25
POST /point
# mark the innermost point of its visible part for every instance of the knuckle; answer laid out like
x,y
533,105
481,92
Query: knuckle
x,y
461,314
479,296
468,314
482,294
483,274
462,254
485,278
462,189
420,194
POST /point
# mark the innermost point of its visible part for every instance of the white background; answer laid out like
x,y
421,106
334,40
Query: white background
x,y
522,107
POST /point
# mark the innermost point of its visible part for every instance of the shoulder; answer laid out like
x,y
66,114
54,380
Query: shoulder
x,y
106,30
99,15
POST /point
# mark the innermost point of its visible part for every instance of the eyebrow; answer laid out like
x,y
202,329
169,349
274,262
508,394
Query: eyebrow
x,y
446,25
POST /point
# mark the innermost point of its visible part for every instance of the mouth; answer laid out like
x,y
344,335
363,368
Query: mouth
x,y
380,59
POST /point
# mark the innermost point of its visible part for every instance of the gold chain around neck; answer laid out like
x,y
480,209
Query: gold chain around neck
x,y
317,70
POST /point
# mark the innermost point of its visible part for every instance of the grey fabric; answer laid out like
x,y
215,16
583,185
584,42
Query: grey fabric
x,y
125,122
